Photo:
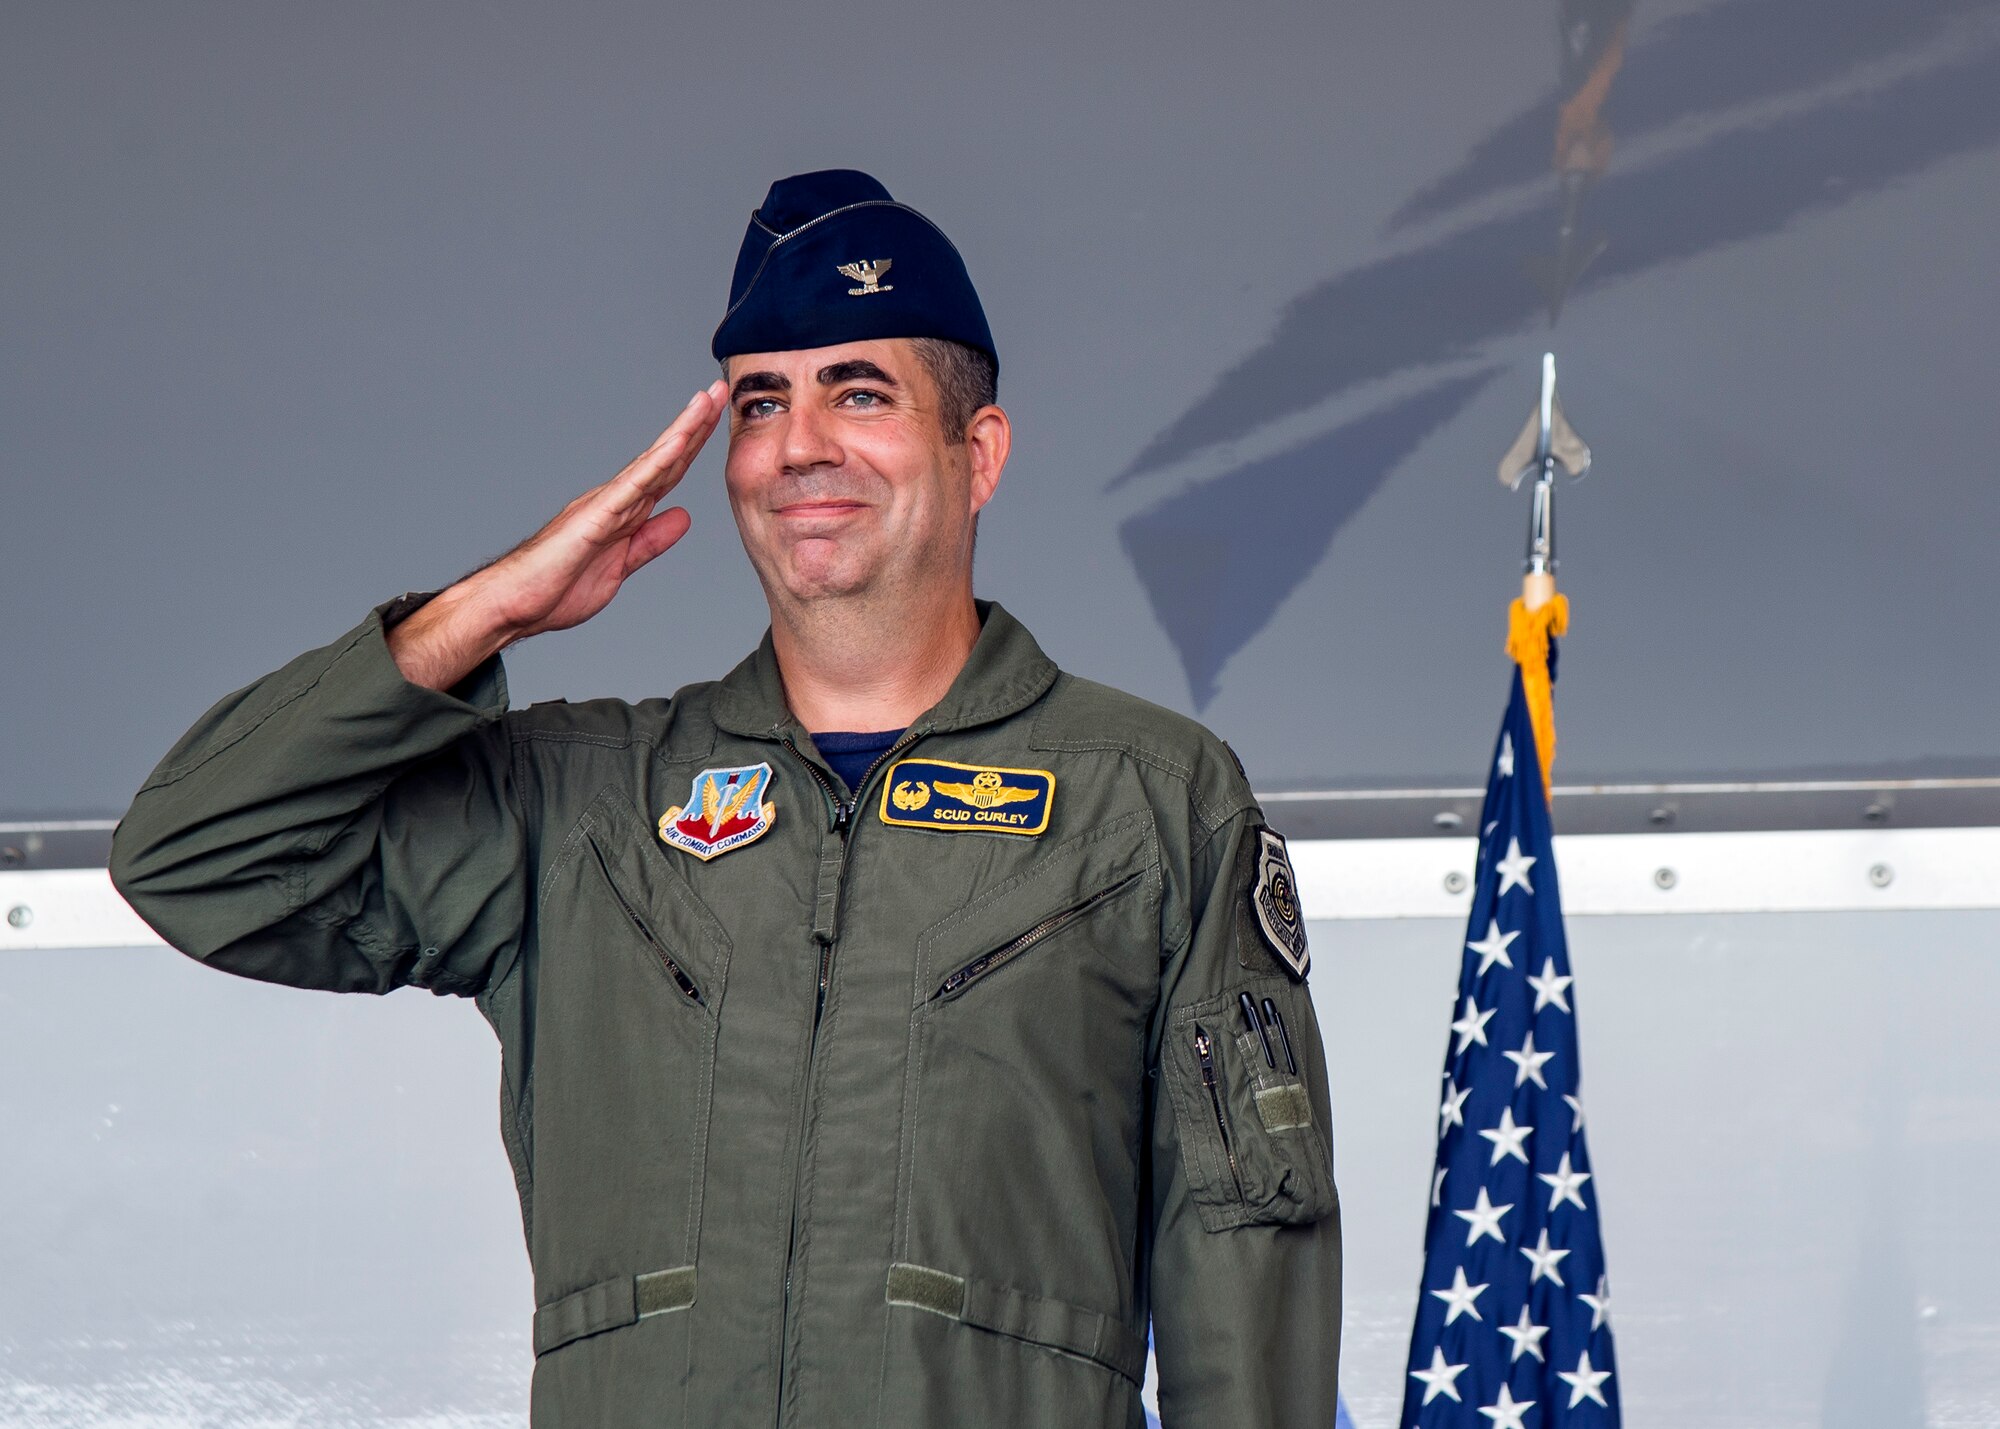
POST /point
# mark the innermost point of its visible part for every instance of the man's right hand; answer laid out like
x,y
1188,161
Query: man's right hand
x,y
567,571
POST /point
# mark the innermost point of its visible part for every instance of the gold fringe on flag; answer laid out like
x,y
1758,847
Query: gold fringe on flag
x,y
1528,633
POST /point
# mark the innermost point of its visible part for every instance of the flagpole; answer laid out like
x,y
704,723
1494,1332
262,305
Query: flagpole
x,y
1545,443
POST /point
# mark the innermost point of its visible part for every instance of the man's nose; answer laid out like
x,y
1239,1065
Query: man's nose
x,y
810,438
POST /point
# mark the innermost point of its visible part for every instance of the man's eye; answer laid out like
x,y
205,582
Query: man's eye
x,y
865,398
758,407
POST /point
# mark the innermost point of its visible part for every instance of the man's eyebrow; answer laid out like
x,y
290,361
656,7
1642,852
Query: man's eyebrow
x,y
856,369
761,382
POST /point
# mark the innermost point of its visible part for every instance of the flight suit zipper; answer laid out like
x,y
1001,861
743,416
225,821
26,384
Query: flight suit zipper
x,y
1205,1049
842,813
986,962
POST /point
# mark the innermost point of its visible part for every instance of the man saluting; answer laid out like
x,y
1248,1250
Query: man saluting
x,y
889,1027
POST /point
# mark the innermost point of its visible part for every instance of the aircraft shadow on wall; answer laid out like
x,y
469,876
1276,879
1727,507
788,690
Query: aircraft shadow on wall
x,y
1753,114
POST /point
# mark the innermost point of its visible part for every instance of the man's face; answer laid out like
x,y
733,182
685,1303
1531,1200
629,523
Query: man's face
x,y
841,476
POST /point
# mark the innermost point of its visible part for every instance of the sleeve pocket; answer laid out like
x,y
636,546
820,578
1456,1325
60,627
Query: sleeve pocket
x,y
1251,1146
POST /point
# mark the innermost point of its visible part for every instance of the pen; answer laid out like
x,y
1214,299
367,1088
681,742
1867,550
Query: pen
x,y
1283,1036
1250,1011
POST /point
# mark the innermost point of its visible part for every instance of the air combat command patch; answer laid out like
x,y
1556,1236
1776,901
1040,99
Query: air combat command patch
x,y
725,810
1275,897
967,798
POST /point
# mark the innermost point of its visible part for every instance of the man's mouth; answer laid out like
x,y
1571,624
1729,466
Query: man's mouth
x,y
829,507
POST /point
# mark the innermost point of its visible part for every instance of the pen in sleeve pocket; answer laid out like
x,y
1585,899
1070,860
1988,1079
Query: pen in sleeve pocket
x,y
1250,1011
1291,1067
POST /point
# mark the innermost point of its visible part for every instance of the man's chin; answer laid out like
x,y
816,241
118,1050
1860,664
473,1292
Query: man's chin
x,y
823,568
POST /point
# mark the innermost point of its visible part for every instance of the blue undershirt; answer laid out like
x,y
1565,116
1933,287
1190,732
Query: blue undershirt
x,y
851,755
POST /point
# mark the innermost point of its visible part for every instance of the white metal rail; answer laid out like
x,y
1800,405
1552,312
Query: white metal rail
x,y
1814,870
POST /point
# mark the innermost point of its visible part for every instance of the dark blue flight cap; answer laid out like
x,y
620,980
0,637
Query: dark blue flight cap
x,y
831,258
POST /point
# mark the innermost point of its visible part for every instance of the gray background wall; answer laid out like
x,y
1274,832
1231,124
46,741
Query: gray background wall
x,y
303,306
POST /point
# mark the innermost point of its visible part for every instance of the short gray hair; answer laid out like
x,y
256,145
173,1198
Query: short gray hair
x,y
966,379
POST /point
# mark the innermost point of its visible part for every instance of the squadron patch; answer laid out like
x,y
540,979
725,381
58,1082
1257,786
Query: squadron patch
x,y
725,810
1275,899
966,798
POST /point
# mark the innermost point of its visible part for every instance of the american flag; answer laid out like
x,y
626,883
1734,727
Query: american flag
x,y
1513,1326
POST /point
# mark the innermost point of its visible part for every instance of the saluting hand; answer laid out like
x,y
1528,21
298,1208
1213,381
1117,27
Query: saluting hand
x,y
567,571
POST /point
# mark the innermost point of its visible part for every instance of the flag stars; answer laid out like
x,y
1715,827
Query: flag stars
x,y
1459,1296
1514,867
1451,1112
1493,947
1528,1063
1565,1184
1506,1411
1472,1027
1526,1335
1440,1378
1600,1303
1508,950
1484,1219
1584,1381
1507,1138
1549,988
1544,1258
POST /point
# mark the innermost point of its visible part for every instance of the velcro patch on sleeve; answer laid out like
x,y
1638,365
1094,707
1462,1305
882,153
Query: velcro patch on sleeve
x,y
1283,1107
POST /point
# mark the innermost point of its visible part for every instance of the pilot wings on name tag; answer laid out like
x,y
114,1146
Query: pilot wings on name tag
x,y
967,798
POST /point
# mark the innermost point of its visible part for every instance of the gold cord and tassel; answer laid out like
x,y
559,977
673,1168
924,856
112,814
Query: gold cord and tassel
x,y
1528,633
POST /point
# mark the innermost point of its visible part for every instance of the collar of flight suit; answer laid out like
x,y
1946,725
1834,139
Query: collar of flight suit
x,y
1004,674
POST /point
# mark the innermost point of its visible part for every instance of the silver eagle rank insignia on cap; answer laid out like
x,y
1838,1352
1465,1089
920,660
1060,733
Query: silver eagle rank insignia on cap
x,y
869,276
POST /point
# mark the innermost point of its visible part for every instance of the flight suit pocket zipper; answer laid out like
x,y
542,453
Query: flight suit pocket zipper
x,y
998,957
1204,1050
673,969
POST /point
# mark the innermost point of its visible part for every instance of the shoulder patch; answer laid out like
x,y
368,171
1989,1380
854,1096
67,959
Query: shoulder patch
x,y
1274,897
967,798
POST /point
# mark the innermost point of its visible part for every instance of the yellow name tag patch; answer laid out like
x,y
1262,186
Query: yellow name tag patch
x,y
962,798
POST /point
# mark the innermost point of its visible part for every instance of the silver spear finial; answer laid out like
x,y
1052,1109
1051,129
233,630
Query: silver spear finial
x,y
1546,442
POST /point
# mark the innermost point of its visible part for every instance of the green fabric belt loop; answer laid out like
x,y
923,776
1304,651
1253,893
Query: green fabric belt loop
x,y
612,1304
1036,1319
603,1306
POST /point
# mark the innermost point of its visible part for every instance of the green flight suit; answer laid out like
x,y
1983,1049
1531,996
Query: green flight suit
x,y
777,1164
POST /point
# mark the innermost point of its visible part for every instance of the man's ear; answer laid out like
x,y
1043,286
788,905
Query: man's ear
x,y
989,436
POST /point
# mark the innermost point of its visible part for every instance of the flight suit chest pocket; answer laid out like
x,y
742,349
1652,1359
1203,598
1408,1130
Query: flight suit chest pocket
x,y
1098,893
1252,1144
648,905
1024,1083
632,975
